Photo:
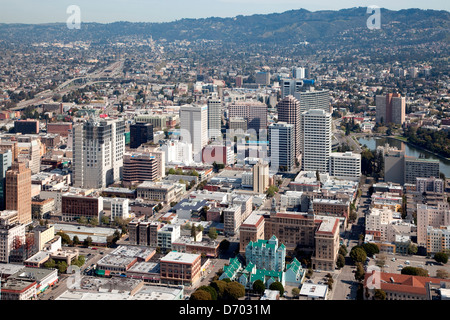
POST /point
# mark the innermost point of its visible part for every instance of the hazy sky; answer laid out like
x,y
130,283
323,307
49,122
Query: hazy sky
x,y
104,11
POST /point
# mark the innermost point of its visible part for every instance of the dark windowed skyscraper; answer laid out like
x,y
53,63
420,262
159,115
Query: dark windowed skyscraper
x,y
140,133
289,112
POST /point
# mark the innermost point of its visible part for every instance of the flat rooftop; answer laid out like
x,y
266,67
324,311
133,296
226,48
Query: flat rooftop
x,y
145,267
313,290
178,257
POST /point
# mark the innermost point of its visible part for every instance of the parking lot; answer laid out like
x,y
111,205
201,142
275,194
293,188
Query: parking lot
x,y
395,263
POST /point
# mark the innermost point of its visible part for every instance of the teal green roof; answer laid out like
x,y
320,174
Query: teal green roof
x,y
295,265
249,267
232,267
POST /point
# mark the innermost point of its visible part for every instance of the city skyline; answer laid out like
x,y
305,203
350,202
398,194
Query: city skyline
x,y
29,12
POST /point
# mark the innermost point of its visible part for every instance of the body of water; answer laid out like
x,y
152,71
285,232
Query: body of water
x,y
373,143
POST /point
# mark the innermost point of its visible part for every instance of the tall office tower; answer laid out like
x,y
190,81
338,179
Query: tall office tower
x,y
394,165
194,128
282,147
18,191
314,99
214,118
263,78
299,73
390,108
140,167
420,168
346,165
260,177
140,133
289,112
5,164
290,86
431,216
98,147
29,148
316,140
254,112
239,81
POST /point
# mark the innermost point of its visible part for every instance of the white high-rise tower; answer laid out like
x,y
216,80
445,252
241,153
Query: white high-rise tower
x,y
194,128
316,139
98,147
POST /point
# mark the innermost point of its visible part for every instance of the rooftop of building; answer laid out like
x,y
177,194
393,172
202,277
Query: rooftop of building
x,y
178,257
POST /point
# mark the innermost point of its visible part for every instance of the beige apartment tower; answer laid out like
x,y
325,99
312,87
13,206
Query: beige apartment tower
x,y
260,177
18,191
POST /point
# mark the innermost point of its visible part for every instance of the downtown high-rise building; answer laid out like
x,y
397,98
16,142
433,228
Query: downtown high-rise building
x,y
5,164
289,87
194,128
214,119
18,191
299,73
282,147
260,177
255,113
316,138
140,133
98,146
390,108
314,99
289,112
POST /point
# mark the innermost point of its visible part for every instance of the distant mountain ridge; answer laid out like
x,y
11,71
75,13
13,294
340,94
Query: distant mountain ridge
x,y
288,28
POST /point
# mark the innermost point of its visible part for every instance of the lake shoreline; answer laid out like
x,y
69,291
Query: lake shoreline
x,y
411,150
418,147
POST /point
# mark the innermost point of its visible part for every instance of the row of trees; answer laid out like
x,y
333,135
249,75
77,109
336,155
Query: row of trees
x,y
62,265
219,290
372,163
432,140
231,290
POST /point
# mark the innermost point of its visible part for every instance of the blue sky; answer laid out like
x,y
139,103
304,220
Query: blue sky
x,y
105,11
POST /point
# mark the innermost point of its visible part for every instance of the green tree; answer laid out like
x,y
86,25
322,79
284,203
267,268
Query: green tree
x,y
343,250
271,191
200,295
93,221
358,254
359,272
219,286
210,290
340,262
412,248
277,286
234,291
212,233
295,292
414,271
370,249
82,220
65,239
87,242
76,240
379,295
259,286
441,257
104,219
50,264
62,266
